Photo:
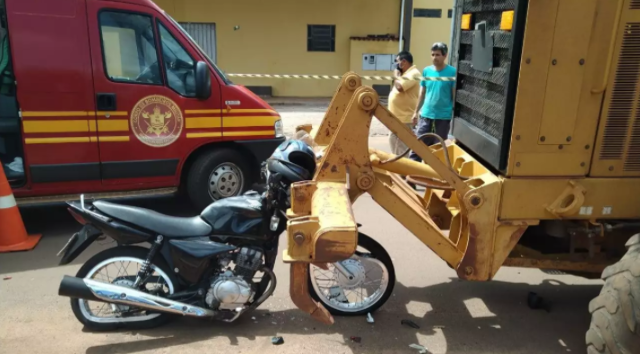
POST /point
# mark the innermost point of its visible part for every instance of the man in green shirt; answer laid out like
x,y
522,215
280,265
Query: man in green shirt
x,y
435,103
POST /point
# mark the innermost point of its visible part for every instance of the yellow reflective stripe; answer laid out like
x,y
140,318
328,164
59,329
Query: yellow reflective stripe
x,y
57,114
103,139
251,133
113,114
115,125
203,122
249,121
204,135
202,111
231,111
92,125
84,139
55,126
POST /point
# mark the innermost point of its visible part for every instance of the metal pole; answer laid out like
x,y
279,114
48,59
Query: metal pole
x,y
400,40
454,19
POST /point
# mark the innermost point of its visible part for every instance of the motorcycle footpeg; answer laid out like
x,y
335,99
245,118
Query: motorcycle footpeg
x,y
299,292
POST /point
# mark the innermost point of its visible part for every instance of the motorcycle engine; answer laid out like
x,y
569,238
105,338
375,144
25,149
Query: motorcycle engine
x,y
232,288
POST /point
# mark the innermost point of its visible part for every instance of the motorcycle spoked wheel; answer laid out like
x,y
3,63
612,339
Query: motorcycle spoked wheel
x,y
132,258
339,298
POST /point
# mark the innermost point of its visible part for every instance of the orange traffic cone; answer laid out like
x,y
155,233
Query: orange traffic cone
x,y
13,235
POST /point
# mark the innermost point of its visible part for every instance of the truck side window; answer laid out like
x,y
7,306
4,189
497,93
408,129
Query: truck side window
x,y
128,44
178,64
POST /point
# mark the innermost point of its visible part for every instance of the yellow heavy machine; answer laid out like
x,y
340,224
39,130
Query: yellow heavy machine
x,y
544,171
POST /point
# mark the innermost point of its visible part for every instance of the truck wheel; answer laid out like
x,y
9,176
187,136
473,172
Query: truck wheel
x,y
615,321
216,175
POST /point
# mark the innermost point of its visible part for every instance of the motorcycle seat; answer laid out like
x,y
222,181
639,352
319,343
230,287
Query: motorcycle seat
x,y
165,225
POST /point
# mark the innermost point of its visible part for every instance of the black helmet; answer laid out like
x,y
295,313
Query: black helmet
x,y
294,160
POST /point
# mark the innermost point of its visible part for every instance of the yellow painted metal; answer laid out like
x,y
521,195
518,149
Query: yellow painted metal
x,y
115,125
574,22
55,126
403,166
326,232
555,118
203,122
506,22
465,24
349,83
604,198
617,148
244,121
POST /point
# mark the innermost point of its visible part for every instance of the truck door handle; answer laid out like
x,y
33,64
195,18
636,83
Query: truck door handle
x,y
106,102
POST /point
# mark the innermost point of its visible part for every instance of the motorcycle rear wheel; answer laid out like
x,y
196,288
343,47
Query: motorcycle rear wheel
x,y
337,299
136,255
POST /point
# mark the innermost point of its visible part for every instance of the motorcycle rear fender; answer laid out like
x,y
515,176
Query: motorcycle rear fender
x,y
81,240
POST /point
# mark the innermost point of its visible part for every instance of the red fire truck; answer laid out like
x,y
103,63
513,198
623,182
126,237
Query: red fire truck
x,y
114,98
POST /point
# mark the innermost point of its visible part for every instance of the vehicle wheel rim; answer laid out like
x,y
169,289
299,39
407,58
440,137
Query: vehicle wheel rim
x,y
226,180
369,283
123,271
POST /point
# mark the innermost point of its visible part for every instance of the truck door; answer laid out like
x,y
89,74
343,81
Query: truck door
x,y
144,80
52,63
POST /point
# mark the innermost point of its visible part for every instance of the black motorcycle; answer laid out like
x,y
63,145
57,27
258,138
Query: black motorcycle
x,y
216,265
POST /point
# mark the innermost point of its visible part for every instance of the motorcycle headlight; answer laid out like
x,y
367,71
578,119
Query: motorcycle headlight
x,y
279,128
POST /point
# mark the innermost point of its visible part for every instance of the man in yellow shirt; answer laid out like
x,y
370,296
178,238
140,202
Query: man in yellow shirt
x,y
404,96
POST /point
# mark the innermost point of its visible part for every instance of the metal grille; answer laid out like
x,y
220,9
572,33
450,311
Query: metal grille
x,y
484,5
624,93
486,114
204,34
635,5
485,100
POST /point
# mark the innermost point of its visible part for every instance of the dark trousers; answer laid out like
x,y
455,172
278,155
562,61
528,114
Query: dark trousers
x,y
428,125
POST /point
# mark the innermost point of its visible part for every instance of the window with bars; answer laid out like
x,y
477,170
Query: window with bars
x,y
430,13
321,38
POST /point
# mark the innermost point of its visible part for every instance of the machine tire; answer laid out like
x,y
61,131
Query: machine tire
x,y
202,170
129,251
615,321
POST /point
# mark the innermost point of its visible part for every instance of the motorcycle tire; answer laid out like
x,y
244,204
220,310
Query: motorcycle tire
x,y
378,252
131,252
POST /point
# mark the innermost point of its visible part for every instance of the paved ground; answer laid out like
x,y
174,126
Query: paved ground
x,y
454,316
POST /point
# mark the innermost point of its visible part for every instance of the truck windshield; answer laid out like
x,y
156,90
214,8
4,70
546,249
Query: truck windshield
x,y
215,67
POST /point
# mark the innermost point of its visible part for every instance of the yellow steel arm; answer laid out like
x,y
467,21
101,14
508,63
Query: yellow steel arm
x,y
466,232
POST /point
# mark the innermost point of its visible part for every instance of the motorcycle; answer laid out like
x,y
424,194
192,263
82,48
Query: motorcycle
x,y
216,265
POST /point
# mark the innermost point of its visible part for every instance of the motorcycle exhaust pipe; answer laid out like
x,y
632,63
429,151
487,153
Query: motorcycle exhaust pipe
x,y
92,290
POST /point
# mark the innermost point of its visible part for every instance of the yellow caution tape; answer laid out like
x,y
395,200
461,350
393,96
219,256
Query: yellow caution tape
x,y
336,77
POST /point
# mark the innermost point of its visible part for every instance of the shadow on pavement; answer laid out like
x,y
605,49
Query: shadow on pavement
x,y
506,325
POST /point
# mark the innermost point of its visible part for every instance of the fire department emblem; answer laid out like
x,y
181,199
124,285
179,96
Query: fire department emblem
x,y
156,121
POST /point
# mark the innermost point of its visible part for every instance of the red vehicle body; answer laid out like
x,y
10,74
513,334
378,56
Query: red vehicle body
x,y
115,96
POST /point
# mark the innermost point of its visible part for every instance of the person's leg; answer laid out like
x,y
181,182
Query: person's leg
x,y
442,128
424,126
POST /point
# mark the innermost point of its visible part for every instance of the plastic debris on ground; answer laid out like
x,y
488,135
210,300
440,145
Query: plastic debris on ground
x,y
421,349
370,318
8,277
409,323
277,340
355,339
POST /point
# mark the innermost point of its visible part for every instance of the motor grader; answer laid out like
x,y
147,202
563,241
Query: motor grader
x,y
544,170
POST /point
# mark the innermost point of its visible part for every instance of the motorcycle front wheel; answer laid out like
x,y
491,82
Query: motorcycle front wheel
x,y
119,266
366,287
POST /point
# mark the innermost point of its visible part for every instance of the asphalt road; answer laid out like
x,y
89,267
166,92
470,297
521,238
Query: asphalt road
x,y
454,316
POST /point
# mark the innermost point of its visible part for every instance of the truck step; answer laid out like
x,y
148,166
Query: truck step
x,y
103,195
